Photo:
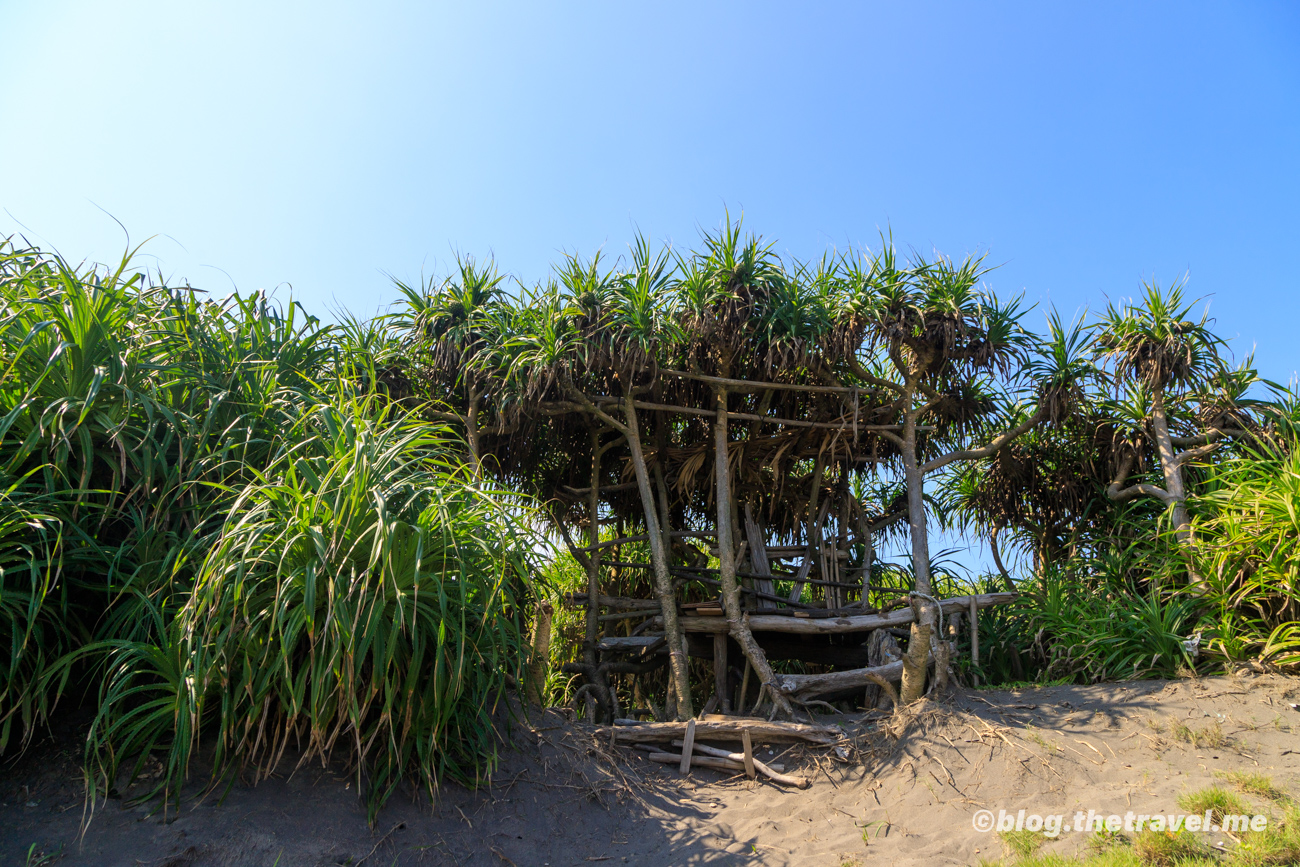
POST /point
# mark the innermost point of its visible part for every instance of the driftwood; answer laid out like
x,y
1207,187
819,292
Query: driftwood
x,y
632,731
630,644
696,761
803,687
882,648
741,760
840,625
619,602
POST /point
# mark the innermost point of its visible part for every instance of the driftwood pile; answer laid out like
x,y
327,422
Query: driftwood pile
x,y
686,737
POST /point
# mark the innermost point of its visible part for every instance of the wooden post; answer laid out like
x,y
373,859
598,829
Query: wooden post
x,y
720,671
744,689
758,556
974,642
749,753
688,744
541,655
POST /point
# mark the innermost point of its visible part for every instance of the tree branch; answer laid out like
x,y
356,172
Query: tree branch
x,y
1196,453
1211,435
990,449
861,373
1121,495
585,402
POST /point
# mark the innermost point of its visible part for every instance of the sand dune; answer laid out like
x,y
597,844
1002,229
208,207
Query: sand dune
x,y
905,790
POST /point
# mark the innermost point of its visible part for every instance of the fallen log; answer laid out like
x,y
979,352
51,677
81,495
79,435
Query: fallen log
x,y
631,731
840,625
803,687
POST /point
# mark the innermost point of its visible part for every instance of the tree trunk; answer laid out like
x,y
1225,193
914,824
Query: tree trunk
x,y
1172,469
918,651
997,559
593,559
737,625
541,655
659,558
472,434
916,503
918,646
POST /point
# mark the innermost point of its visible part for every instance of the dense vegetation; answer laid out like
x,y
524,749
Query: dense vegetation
x,y
213,523
223,522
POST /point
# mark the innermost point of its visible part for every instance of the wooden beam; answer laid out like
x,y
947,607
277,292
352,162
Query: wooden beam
x,y
840,625
620,602
629,644
843,424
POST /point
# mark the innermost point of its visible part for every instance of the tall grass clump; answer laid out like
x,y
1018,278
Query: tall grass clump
x,y
218,525
1249,547
364,598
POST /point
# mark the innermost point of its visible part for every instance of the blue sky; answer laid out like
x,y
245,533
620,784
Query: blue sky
x,y
326,145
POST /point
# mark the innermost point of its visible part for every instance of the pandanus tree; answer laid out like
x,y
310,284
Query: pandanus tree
x,y
1173,393
621,322
449,326
1044,490
752,399
952,354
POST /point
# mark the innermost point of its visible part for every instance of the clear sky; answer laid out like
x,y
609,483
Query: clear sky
x,y
327,145
1085,146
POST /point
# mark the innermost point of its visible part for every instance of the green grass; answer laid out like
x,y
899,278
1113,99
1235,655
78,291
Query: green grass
x,y
1277,845
1254,784
1217,800
1022,844
1209,736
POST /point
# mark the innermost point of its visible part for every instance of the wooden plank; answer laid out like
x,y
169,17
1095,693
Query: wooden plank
x,y
688,743
749,753
802,577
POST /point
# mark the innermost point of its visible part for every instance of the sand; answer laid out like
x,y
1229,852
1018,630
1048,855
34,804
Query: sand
x,y
904,791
